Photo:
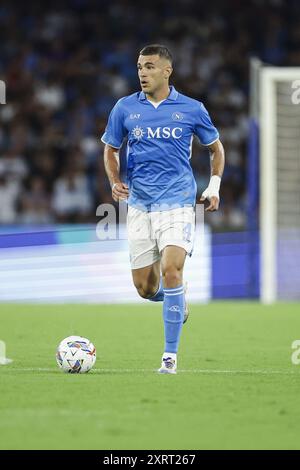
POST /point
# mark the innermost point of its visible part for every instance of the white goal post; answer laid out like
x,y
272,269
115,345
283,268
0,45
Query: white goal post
x,y
278,113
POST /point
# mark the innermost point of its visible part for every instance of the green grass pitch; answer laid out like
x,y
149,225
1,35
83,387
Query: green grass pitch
x,y
236,387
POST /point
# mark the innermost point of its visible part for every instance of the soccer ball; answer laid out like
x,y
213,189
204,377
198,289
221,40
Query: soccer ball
x,y
75,355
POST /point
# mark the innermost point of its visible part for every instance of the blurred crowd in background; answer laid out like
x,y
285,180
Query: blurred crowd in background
x,y
66,63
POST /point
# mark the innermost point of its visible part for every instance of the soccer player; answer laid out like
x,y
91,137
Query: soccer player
x,y
159,123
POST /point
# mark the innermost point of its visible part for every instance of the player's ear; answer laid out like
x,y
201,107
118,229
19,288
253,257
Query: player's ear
x,y
168,71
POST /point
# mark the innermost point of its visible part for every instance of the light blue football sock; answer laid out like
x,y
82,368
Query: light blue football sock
x,y
159,295
173,312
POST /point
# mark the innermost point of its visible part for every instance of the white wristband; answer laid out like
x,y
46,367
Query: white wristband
x,y
213,187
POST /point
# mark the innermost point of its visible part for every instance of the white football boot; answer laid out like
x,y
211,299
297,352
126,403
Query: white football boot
x,y
168,365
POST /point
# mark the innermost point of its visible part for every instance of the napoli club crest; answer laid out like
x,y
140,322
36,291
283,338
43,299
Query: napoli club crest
x,y
177,116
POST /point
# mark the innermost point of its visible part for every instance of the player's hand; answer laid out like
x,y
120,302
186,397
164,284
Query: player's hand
x,y
119,191
214,201
211,193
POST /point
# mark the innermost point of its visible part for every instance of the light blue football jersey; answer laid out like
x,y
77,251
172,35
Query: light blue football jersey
x,y
159,147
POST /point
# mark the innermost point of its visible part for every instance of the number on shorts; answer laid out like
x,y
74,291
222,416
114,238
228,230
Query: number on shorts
x,y
187,232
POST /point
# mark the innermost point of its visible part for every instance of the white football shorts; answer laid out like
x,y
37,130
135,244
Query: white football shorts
x,y
150,232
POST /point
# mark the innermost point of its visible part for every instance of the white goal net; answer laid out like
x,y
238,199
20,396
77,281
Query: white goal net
x,y
279,153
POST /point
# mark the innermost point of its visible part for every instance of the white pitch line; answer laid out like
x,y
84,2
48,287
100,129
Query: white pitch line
x,y
191,371
232,371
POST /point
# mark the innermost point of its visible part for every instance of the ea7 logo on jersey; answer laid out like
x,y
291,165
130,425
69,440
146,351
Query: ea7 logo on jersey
x,y
134,116
157,133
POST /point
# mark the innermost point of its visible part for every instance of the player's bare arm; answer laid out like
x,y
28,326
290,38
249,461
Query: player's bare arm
x,y
217,162
112,168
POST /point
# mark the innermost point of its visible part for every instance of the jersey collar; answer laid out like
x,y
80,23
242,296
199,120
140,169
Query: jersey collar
x,y
173,95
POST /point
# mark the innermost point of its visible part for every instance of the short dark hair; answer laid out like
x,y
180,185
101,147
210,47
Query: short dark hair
x,y
157,49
